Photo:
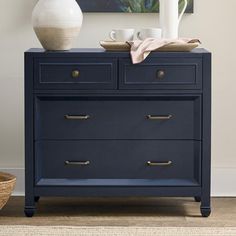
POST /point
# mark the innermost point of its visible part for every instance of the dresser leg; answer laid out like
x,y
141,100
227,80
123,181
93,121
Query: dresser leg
x,y
197,199
205,211
30,207
205,206
36,199
29,211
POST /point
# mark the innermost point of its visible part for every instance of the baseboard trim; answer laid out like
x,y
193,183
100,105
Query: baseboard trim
x,y
223,181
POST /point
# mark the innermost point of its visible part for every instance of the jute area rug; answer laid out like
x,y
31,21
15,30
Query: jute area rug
x,y
21,230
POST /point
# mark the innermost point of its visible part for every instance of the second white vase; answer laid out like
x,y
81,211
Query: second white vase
x,y
57,23
170,18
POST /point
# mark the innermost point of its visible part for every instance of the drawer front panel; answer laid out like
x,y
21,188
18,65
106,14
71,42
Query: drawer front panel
x,y
76,74
101,118
172,162
161,73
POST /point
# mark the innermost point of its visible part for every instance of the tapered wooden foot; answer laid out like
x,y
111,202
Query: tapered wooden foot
x,y
29,212
205,211
36,199
197,199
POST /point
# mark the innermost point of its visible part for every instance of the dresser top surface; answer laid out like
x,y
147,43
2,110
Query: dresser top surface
x,y
102,52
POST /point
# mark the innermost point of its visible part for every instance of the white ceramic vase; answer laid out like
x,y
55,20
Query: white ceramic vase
x,y
57,23
170,18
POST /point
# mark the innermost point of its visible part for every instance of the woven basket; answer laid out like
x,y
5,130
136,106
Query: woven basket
x,y
7,184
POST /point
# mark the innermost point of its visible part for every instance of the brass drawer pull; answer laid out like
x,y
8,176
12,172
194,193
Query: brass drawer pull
x,y
77,117
77,163
160,74
151,117
75,74
168,163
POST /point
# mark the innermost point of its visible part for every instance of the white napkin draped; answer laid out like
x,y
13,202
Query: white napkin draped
x,y
139,50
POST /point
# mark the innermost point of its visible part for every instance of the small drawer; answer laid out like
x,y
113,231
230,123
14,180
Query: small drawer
x,y
68,73
161,73
163,162
171,117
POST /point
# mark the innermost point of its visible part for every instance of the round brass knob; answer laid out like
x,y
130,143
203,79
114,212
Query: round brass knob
x,y
160,74
75,74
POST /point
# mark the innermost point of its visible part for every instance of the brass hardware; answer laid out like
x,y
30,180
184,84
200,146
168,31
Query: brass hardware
x,y
168,163
160,74
77,117
77,163
152,117
75,74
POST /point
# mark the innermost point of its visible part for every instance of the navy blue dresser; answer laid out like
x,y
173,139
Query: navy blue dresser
x,y
97,125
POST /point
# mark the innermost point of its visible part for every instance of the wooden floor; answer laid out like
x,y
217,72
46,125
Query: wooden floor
x,y
120,212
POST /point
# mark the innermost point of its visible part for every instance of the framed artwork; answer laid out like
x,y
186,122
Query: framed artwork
x,y
129,6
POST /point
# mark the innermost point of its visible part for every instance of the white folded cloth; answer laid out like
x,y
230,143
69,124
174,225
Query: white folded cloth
x,y
139,50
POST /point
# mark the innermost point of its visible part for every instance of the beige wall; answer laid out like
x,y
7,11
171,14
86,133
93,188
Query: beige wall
x,y
213,22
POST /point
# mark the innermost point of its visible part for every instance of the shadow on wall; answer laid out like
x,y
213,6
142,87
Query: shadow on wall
x,y
16,14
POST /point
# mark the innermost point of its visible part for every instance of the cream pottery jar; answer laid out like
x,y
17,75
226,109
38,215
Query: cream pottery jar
x,y
170,18
57,23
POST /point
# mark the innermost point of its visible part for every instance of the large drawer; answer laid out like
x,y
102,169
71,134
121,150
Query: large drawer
x,y
89,162
161,73
77,73
172,117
